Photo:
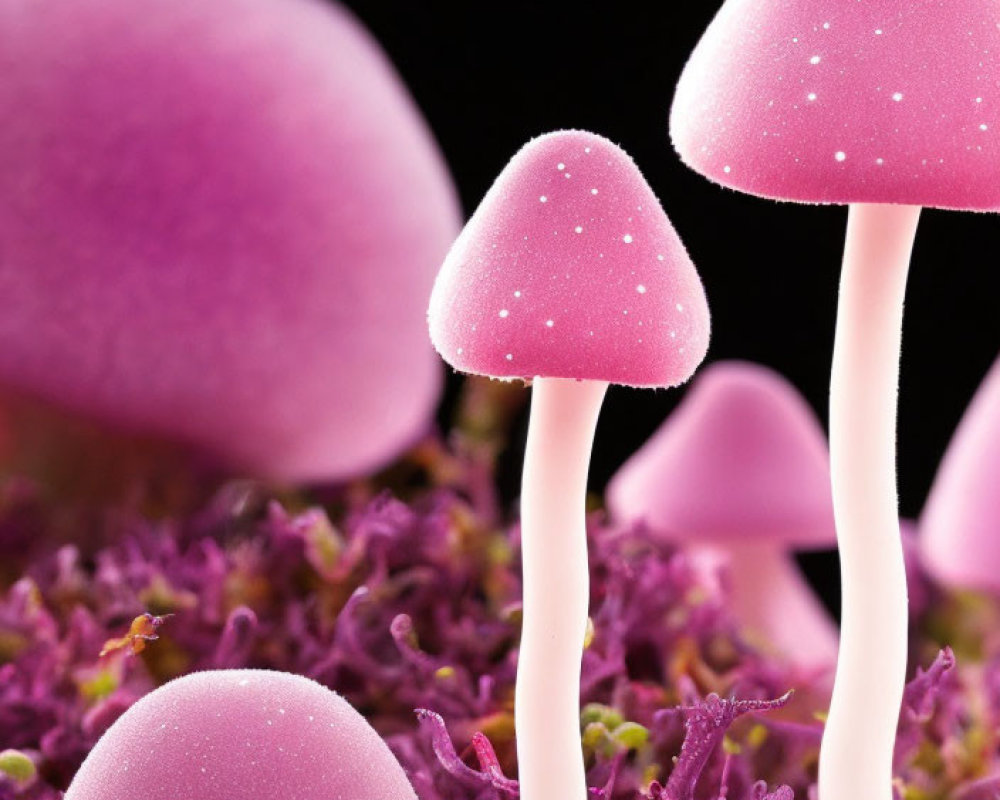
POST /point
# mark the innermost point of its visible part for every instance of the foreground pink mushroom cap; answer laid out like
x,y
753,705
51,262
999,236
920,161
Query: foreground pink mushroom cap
x,y
960,525
228,734
570,269
217,220
742,467
878,102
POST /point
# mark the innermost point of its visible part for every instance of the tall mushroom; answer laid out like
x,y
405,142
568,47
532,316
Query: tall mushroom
x,y
740,470
886,106
570,276
214,219
959,529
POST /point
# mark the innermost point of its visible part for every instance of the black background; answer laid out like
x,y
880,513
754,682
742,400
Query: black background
x,y
489,76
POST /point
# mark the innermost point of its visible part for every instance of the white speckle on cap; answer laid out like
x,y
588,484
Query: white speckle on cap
x,y
880,161
840,155
543,199
659,256
517,293
814,60
560,166
680,308
979,99
640,289
593,191
627,238
878,31
549,323
509,356
811,96
504,313
897,96
727,169
983,127
567,175
826,26
578,229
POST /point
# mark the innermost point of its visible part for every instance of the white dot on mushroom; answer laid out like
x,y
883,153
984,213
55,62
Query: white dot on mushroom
x,y
814,60
543,199
640,289
549,323
897,96
578,229
840,155
560,166
593,191
504,313
627,238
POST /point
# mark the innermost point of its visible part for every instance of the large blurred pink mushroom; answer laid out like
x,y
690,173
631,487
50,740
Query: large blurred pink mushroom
x,y
216,222
241,733
569,275
740,470
959,529
887,106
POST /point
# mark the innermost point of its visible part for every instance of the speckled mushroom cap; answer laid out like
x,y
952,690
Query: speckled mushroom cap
x,y
569,268
228,734
742,459
881,101
217,222
960,524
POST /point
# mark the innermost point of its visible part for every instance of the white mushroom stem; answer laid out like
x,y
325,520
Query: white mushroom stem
x,y
556,587
856,755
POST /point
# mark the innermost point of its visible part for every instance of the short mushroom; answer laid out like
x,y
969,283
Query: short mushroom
x,y
214,219
568,275
959,529
741,469
222,734
888,107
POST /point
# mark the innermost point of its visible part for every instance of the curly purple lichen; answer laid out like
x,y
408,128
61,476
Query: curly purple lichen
x,y
404,606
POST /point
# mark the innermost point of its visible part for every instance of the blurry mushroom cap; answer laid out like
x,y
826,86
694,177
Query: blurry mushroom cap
x,y
959,529
742,459
217,222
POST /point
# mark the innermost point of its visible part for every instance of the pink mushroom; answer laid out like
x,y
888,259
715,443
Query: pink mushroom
x,y
568,275
224,734
741,470
887,106
959,529
215,219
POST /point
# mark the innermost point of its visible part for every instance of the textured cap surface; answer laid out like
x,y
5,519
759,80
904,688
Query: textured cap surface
x,y
960,524
743,457
229,734
881,101
569,268
217,222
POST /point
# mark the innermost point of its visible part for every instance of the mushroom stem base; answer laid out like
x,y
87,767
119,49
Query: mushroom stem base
x,y
556,587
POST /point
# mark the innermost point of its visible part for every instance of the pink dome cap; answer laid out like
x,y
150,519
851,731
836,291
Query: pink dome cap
x,y
882,101
960,524
217,220
228,734
742,458
570,269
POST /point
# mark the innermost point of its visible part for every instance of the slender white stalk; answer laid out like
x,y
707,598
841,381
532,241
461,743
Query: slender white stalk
x,y
556,587
856,755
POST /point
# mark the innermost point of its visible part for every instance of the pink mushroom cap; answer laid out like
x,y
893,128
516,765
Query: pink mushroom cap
x,y
226,734
216,218
743,459
569,268
959,529
881,101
